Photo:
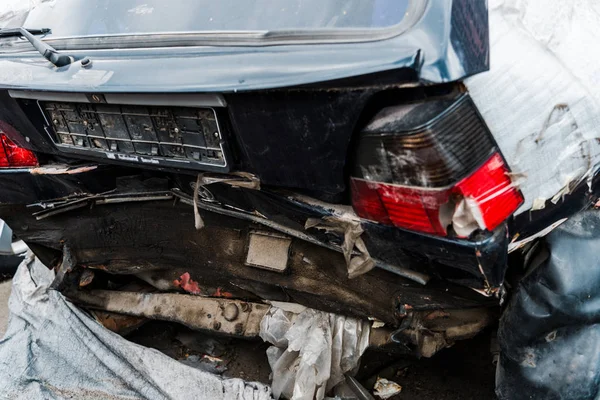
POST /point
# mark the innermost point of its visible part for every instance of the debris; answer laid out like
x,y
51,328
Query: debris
x,y
517,244
312,350
358,264
236,179
467,217
358,389
87,276
385,389
198,221
376,323
214,365
538,204
118,323
60,169
186,282
431,331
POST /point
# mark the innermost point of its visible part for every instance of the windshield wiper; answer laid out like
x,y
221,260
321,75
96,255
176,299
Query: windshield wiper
x,y
49,53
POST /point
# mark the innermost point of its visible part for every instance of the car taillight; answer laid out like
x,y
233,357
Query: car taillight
x,y
426,166
13,156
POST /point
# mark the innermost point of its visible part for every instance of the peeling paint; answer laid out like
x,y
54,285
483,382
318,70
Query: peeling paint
x,y
60,170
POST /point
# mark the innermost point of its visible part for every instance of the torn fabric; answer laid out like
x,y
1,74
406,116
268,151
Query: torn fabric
x,y
312,350
538,98
54,350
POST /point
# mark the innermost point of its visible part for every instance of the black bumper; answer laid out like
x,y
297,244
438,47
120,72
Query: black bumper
x,y
90,232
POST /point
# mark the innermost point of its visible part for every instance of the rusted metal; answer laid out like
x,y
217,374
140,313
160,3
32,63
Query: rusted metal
x,y
63,278
432,331
123,311
62,206
196,312
231,312
87,276
118,323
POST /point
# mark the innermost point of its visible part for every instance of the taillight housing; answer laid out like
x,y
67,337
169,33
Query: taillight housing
x,y
431,165
13,156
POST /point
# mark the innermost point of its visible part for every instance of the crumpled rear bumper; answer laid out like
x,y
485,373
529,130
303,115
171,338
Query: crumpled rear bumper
x,y
115,221
478,263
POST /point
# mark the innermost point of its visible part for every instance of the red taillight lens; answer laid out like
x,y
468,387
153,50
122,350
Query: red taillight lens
x,y
13,156
492,191
488,190
445,170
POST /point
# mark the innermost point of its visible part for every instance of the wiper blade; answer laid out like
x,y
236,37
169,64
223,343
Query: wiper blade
x,y
49,53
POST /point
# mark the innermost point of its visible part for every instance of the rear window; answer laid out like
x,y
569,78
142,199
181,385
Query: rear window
x,y
68,18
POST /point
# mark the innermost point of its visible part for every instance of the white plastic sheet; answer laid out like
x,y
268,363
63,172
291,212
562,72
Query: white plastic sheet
x,y
312,350
539,98
53,350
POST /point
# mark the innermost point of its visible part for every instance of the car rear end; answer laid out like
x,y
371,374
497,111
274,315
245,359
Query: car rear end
x,y
352,174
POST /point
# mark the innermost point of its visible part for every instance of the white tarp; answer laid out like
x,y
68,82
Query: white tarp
x,y
54,350
539,98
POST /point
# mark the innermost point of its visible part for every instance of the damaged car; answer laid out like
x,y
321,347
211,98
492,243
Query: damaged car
x,y
202,162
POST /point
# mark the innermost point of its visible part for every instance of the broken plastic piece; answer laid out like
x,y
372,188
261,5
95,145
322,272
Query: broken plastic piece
x,y
198,221
357,264
385,389
186,282
237,179
60,170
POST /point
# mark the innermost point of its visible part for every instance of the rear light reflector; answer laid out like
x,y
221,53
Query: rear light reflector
x,y
425,166
13,156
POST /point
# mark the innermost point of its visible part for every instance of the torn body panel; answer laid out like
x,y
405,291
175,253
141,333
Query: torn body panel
x,y
411,255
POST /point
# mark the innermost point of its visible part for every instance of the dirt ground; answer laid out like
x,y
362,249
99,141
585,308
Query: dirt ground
x,y
463,372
